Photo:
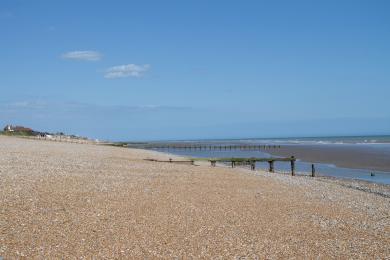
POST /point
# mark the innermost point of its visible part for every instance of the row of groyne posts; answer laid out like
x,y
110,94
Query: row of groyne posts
x,y
252,163
207,147
244,161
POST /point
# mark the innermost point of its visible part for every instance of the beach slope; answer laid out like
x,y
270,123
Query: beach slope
x,y
65,200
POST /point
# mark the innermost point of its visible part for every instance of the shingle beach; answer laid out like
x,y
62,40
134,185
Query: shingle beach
x,y
66,200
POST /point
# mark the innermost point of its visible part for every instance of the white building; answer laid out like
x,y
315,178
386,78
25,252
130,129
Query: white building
x,y
8,128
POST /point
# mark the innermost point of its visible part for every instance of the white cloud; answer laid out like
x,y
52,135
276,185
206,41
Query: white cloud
x,y
123,71
82,55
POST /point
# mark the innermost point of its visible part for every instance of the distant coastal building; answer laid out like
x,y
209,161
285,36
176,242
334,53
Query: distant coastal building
x,y
8,128
25,131
11,128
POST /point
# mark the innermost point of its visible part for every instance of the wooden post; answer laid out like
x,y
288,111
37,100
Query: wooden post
x,y
253,165
271,166
292,166
313,171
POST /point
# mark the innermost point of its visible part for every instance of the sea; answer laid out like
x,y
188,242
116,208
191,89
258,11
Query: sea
x,y
380,143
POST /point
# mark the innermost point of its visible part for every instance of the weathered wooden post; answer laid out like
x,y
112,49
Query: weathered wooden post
x,y
253,165
313,171
271,165
292,166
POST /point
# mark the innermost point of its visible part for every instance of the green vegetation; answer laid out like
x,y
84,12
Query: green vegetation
x,y
128,144
17,133
120,144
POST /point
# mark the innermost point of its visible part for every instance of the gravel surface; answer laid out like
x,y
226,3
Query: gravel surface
x,y
65,200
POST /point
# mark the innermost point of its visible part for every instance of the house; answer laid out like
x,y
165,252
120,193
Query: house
x,y
8,128
11,128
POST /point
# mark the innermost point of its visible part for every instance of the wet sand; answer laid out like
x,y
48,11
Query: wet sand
x,y
349,156
67,201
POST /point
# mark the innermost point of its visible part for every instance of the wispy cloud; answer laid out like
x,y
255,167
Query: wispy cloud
x,y
82,55
129,70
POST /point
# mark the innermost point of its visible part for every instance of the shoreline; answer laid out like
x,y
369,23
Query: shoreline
x,y
324,167
346,156
284,150
377,188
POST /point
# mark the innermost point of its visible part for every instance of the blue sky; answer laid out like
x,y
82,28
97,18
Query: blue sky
x,y
142,70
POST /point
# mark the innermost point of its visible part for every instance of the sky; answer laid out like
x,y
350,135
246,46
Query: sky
x,y
166,70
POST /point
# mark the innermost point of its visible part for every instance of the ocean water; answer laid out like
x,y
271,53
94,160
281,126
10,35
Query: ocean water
x,y
302,167
369,139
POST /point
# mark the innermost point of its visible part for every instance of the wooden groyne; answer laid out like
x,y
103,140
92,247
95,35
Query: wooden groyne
x,y
239,161
252,162
205,147
173,161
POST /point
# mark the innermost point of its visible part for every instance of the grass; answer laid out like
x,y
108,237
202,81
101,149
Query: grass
x,y
17,133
